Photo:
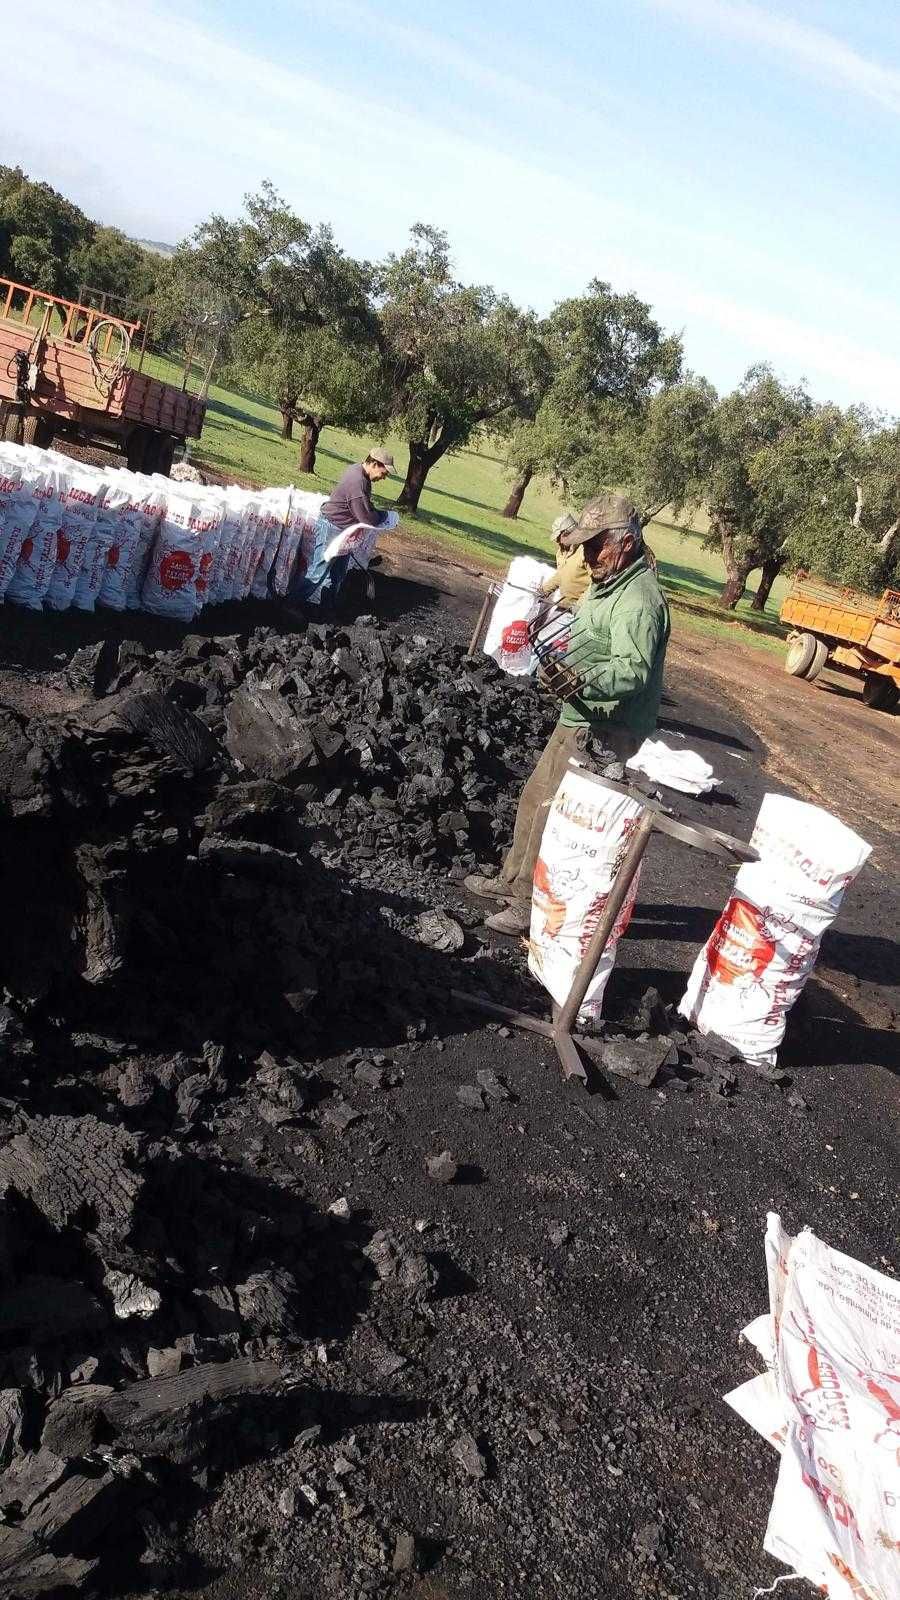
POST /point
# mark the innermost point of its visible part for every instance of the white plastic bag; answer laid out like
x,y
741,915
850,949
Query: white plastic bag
x,y
81,500
310,567
209,514
106,559
288,547
273,513
18,509
251,547
221,572
764,945
585,838
170,587
37,557
517,604
359,540
119,511
301,558
831,1405
149,507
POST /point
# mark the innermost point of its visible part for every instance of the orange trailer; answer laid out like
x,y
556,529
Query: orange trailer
x,y
78,381
855,631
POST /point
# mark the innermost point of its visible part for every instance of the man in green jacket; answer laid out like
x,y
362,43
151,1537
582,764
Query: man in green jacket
x,y
616,653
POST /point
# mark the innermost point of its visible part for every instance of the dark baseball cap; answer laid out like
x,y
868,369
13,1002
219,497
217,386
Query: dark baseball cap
x,y
383,457
599,516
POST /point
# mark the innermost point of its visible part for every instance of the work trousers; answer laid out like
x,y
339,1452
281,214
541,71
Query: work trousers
x,y
539,793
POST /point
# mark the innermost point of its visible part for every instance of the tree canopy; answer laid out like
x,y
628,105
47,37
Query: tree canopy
x,y
48,243
605,357
456,355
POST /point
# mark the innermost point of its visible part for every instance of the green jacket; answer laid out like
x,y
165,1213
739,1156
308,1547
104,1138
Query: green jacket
x,y
618,648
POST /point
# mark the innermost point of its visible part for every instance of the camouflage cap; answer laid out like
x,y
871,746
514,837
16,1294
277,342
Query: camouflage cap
x,y
383,457
563,524
600,515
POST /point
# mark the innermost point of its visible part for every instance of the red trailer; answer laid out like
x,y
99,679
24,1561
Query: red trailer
x,y
72,371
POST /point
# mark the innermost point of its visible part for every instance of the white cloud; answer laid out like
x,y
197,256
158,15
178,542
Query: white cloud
x,y
815,51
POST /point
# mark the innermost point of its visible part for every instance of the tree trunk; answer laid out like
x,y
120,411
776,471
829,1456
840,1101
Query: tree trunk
x,y
287,424
517,494
416,473
312,427
736,571
421,458
770,571
203,392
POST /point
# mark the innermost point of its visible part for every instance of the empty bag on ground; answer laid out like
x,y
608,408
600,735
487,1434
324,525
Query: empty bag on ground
x,y
585,838
765,944
829,1403
518,603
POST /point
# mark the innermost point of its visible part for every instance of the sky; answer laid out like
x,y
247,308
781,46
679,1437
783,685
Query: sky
x,y
736,164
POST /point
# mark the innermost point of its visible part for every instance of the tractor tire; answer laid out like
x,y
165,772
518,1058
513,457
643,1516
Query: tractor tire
x,y
37,430
12,428
166,455
136,449
819,660
880,693
801,653
152,452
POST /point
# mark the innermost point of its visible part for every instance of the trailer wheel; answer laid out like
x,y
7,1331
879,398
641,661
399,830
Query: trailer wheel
x,y
136,448
879,691
12,428
37,430
166,455
819,660
151,453
801,653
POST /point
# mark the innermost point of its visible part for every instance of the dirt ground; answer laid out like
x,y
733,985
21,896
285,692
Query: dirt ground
x,y
600,1251
591,1371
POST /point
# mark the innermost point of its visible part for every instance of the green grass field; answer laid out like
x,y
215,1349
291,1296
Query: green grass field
x,y
460,507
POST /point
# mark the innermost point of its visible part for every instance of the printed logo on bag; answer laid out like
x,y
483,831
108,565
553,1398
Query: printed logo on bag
x,y
551,907
889,1437
823,1404
739,947
63,546
514,638
176,569
112,558
27,547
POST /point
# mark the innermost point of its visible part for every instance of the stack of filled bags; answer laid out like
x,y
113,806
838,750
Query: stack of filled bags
x,y
77,535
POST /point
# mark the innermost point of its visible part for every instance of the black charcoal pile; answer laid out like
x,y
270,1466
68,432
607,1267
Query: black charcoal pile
x,y
220,863
237,837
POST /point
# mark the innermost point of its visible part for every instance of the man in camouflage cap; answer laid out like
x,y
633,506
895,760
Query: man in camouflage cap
x,y
571,578
616,653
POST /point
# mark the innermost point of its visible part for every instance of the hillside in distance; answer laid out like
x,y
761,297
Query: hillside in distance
x,y
156,246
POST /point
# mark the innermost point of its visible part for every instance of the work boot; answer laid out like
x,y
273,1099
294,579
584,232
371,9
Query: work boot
x,y
487,888
514,918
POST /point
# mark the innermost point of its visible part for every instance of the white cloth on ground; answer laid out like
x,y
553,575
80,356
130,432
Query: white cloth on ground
x,y
684,770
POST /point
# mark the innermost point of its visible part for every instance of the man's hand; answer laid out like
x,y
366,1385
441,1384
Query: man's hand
x,y
559,680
